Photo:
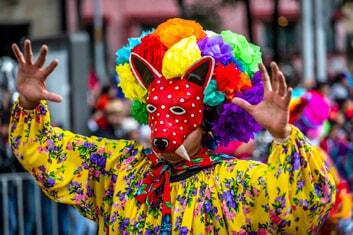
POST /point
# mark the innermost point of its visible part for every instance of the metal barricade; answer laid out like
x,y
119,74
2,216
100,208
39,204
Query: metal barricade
x,y
13,195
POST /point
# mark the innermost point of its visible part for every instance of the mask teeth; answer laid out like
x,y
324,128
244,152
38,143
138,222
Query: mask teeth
x,y
181,151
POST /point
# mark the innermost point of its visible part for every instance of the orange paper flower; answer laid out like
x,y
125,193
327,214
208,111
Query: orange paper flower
x,y
245,82
175,29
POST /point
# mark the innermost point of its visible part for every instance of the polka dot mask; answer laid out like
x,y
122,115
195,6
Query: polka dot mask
x,y
175,106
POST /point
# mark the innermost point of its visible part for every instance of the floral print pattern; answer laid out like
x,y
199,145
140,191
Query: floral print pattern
x,y
291,194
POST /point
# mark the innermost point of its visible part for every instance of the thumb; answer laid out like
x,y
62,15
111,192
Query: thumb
x,y
243,104
51,96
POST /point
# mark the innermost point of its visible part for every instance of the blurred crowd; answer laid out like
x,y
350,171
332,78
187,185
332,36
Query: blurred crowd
x,y
110,114
110,118
338,141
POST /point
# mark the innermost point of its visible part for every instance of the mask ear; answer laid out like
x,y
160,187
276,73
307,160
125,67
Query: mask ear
x,y
200,72
143,71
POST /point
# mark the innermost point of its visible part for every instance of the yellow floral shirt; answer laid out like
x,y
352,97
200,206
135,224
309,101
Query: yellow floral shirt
x,y
292,194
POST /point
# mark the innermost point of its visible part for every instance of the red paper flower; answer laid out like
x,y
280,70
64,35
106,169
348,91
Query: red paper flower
x,y
231,80
152,50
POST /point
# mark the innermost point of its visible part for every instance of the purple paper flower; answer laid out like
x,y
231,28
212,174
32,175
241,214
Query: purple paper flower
x,y
256,93
217,48
234,123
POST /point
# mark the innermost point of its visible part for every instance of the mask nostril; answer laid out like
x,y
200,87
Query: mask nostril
x,y
160,143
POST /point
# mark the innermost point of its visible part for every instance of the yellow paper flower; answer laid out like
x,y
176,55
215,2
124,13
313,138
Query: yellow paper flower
x,y
180,57
173,30
129,84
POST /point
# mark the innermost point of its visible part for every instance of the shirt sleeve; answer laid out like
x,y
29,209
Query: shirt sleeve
x,y
70,168
301,191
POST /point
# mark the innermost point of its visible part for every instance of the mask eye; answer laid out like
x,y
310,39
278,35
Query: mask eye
x,y
151,108
177,110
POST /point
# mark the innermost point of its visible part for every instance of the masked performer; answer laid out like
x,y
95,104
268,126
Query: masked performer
x,y
194,88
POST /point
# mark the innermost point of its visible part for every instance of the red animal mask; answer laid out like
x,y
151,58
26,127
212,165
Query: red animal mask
x,y
175,106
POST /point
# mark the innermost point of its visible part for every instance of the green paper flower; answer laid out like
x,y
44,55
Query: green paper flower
x,y
248,53
213,97
139,111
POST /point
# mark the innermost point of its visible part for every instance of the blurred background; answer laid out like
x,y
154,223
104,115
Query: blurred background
x,y
312,40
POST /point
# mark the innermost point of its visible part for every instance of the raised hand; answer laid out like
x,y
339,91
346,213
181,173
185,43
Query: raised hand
x,y
272,112
31,77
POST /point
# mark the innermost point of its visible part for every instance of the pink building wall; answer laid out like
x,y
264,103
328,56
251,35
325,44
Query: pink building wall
x,y
124,17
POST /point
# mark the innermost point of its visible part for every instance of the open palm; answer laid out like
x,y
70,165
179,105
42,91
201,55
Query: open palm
x,y
272,112
31,76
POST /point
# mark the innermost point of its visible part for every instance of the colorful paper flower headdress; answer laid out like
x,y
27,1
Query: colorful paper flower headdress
x,y
180,76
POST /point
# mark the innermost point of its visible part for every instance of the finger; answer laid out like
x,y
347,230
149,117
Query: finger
x,y
51,96
19,56
243,104
50,68
282,85
28,51
288,96
42,55
275,75
265,77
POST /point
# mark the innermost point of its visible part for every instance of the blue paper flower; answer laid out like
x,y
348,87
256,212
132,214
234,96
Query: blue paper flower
x,y
123,54
213,97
